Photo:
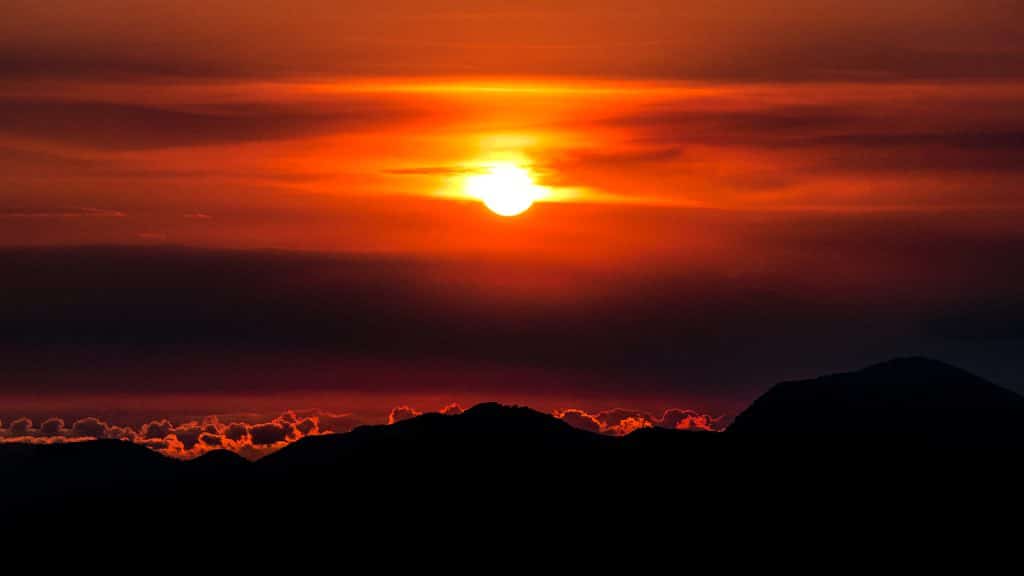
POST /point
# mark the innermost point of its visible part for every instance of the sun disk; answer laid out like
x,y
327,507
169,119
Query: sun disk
x,y
506,189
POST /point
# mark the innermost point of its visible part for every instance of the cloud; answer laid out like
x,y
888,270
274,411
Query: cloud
x,y
212,425
307,426
630,425
687,420
254,439
89,428
126,126
796,146
337,423
188,439
188,434
63,213
579,419
399,413
52,427
237,432
198,216
211,440
169,445
436,171
92,427
20,427
158,444
156,429
870,132
272,432
731,39
54,430
797,284
620,422
452,409
745,123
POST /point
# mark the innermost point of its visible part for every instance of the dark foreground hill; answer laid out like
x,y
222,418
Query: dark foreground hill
x,y
899,432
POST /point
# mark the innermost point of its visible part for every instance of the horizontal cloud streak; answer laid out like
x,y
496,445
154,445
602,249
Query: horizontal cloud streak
x,y
860,285
126,126
731,40
824,146
62,213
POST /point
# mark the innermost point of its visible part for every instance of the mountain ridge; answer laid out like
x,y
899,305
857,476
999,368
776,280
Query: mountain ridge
x,y
524,456
906,395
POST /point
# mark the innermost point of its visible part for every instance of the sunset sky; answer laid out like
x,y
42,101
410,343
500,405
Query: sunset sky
x,y
220,211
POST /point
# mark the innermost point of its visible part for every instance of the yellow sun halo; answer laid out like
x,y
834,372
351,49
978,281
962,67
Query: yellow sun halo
x,y
506,189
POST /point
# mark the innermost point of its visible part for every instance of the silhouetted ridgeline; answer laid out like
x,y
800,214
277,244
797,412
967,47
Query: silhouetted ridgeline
x,y
897,430
909,397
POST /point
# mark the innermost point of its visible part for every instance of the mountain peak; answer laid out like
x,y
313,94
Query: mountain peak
x,y
219,458
909,395
489,407
919,366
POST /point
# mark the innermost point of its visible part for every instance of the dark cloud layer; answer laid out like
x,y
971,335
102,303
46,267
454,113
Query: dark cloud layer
x,y
61,213
934,133
106,125
760,39
96,320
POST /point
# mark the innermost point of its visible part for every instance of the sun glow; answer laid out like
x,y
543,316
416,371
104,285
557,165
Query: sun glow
x,y
506,189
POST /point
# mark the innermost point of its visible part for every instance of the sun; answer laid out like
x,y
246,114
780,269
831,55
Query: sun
x,y
506,189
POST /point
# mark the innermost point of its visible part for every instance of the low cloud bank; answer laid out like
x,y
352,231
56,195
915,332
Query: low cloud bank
x,y
619,422
255,439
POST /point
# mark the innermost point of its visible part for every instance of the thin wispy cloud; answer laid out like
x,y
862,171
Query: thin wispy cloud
x,y
63,213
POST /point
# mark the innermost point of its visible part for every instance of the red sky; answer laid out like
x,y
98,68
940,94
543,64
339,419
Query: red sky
x,y
227,204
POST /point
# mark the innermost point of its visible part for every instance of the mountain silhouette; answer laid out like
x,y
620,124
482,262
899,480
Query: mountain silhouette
x,y
218,460
801,442
486,431
902,397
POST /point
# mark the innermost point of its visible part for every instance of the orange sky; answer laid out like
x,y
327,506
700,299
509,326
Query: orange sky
x,y
349,127
378,165
733,193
